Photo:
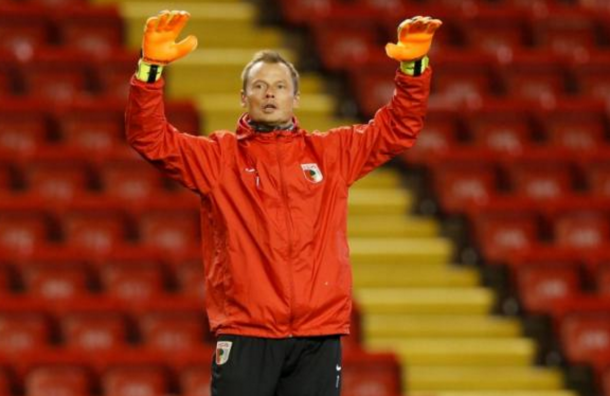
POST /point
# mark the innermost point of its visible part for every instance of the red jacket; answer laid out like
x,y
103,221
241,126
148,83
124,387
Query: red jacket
x,y
274,208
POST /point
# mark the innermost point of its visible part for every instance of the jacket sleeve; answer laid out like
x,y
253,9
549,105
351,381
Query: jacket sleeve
x,y
393,129
194,161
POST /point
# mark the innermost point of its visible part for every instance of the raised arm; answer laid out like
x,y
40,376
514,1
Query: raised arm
x,y
195,161
396,125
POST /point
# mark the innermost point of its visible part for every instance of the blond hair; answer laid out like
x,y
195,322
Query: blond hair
x,y
270,56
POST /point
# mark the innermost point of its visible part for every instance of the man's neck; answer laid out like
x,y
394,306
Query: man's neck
x,y
264,127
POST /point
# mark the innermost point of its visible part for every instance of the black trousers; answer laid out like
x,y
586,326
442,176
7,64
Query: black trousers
x,y
249,366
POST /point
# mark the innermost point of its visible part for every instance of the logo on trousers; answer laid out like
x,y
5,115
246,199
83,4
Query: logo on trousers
x,y
223,349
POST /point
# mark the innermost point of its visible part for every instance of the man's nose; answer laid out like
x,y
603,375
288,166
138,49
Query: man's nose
x,y
269,93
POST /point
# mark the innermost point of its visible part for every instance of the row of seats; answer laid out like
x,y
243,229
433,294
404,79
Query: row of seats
x,y
87,128
528,185
123,180
137,371
99,231
126,281
502,234
471,79
92,32
509,129
104,331
68,76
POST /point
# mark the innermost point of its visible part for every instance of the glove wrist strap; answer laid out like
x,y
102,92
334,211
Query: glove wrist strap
x,y
147,72
415,68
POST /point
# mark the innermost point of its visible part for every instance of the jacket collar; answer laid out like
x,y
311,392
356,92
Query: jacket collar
x,y
245,130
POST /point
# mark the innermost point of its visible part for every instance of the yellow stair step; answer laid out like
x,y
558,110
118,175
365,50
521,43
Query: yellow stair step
x,y
216,24
379,178
496,393
458,351
371,201
391,226
409,326
425,300
481,378
400,250
389,275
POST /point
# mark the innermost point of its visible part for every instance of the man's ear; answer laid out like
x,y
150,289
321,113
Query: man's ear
x,y
297,100
242,95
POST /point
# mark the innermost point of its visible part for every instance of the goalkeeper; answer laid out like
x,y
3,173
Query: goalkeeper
x,y
278,281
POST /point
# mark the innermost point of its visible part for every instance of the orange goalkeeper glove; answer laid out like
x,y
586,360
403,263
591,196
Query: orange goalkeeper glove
x,y
414,40
159,47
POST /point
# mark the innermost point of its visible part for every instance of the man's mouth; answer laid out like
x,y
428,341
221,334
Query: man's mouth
x,y
269,107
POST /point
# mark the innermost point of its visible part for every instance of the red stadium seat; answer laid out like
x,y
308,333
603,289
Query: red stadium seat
x,y
598,178
60,181
578,130
23,126
6,178
5,281
345,44
23,332
504,233
537,77
176,231
566,32
135,381
541,181
23,29
592,76
373,88
97,31
22,233
460,186
302,11
58,380
370,374
96,232
196,381
94,332
602,277
131,180
191,279
606,381
176,331
438,137
114,74
463,79
583,336
540,286
92,127
56,283
58,76
499,31
133,284
588,230
503,129
5,383
60,4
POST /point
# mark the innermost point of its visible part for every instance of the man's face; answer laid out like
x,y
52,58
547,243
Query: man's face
x,y
269,97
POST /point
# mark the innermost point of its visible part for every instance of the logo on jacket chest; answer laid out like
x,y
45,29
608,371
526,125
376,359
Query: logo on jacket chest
x,y
312,173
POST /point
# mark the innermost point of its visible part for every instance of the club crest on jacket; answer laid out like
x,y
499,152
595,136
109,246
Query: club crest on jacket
x,y
223,349
312,172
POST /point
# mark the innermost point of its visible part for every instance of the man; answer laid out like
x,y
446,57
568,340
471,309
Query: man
x,y
274,208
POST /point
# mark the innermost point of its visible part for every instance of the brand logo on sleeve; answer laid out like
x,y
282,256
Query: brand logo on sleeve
x,y
312,172
223,349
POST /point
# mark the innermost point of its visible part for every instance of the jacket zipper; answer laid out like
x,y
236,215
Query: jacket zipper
x,y
285,197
